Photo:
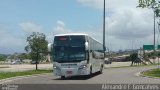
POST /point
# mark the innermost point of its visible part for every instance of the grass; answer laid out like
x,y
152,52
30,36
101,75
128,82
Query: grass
x,y
4,75
142,65
4,66
152,73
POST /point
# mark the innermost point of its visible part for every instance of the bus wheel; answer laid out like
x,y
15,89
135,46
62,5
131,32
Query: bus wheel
x,y
101,70
62,77
90,71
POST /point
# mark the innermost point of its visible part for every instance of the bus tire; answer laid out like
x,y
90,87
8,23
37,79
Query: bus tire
x,y
101,69
62,77
90,71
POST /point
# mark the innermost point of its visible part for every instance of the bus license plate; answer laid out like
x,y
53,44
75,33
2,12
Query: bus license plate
x,y
69,72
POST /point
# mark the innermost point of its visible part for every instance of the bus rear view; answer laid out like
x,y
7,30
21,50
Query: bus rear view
x,y
71,55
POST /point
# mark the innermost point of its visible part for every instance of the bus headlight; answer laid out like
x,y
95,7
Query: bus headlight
x,y
82,66
56,67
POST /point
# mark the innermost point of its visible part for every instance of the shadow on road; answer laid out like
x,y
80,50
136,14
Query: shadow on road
x,y
79,77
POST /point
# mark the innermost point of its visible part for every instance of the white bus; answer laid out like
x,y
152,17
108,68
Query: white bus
x,y
76,54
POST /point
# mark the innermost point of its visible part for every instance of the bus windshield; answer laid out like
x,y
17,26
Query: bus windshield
x,y
65,54
69,49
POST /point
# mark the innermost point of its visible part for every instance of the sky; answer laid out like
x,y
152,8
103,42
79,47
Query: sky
x,y
127,26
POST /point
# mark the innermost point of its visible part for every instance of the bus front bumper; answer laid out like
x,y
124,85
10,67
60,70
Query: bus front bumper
x,y
67,72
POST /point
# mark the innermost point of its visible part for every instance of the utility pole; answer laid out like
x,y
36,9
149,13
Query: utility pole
x,y
132,45
104,48
154,39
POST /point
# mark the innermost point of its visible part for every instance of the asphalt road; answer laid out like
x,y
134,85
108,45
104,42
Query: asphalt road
x,y
125,75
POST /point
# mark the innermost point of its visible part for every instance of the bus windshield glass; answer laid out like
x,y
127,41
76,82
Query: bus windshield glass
x,y
69,49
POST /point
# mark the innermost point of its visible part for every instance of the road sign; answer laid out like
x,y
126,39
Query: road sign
x,y
148,47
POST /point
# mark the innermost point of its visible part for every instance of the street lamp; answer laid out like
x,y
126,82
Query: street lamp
x,y
104,28
154,37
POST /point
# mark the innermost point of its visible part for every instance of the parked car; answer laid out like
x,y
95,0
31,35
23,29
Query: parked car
x,y
34,62
107,61
16,62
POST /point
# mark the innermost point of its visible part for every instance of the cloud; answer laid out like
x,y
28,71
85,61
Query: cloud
x,y
124,23
30,27
110,4
123,19
60,28
129,24
10,43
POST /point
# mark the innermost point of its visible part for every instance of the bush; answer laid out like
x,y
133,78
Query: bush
x,y
2,58
133,56
128,58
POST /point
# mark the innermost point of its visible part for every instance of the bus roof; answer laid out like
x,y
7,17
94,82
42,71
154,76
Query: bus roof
x,y
73,34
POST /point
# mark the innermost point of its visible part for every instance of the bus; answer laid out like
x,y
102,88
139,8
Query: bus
x,y
76,54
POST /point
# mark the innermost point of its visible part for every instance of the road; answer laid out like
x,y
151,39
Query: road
x,y
125,75
118,64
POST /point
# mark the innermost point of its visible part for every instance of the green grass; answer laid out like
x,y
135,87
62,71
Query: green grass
x,y
152,73
4,75
136,66
4,66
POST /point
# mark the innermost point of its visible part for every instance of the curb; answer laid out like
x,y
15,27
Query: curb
x,y
21,77
141,74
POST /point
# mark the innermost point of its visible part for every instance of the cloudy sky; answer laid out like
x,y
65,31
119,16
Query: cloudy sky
x,y
126,25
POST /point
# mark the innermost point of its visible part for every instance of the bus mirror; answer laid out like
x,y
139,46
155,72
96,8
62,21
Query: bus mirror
x,y
50,47
86,45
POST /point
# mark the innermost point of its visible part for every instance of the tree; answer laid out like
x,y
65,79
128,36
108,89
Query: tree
x,y
14,56
2,58
133,58
23,56
153,4
37,46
